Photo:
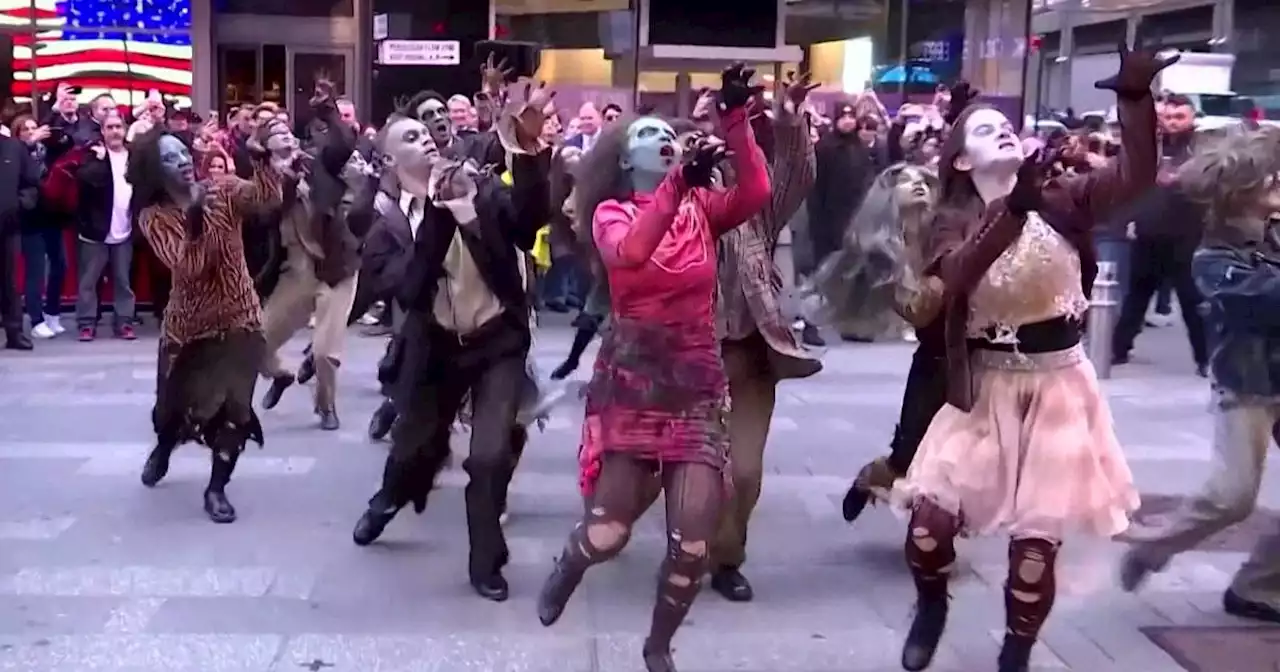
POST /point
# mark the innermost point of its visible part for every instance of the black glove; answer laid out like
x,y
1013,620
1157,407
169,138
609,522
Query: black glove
x,y
736,88
697,171
1027,194
962,95
1138,69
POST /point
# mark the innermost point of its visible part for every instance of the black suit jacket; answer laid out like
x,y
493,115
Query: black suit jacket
x,y
508,219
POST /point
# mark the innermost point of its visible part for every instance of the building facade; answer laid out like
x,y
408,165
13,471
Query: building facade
x,y
213,54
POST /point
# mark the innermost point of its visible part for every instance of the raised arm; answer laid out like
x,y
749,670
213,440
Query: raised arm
x,y
794,168
627,235
1095,195
728,208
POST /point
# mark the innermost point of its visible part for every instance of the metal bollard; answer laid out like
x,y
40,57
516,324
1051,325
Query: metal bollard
x,y
1104,310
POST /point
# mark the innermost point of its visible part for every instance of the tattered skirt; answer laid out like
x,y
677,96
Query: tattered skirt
x,y
658,393
207,384
1036,457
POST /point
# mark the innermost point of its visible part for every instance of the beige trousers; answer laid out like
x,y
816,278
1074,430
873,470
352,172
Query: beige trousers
x,y
1242,436
297,296
752,394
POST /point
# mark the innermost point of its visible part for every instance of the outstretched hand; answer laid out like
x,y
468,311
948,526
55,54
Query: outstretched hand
x,y
1028,193
1138,69
532,111
703,157
493,76
799,87
962,95
736,89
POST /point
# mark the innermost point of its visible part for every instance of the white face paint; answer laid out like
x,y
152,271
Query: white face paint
x,y
410,147
990,143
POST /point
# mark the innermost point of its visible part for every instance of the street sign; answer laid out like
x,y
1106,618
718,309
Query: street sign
x,y
419,52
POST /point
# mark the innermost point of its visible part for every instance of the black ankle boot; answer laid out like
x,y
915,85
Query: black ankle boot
x,y
216,505
371,526
279,384
658,659
383,419
307,370
925,633
732,585
156,466
1015,654
557,590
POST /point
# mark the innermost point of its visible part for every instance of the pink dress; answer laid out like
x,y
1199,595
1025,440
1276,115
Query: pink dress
x,y
658,390
1037,456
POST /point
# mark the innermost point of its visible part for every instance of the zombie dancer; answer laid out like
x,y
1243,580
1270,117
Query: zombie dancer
x,y
876,280
1238,270
211,338
881,273
466,331
322,238
657,403
1025,445
759,347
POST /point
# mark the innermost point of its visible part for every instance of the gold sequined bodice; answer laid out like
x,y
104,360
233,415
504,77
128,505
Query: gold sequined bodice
x,y
1036,279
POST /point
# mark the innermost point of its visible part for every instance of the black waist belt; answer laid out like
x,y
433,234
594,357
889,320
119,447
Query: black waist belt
x,y
495,327
1052,335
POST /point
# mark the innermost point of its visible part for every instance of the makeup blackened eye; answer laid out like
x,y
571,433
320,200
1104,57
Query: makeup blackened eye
x,y
984,130
410,136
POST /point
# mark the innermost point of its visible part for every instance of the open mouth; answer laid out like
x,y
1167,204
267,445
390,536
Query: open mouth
x,y
667,152
1008,145
187,172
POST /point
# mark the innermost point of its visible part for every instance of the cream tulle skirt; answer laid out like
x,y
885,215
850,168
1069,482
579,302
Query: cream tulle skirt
x,y
1037,457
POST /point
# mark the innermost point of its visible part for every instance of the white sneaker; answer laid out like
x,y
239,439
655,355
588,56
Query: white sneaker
x,y
43,331
909,335
55,323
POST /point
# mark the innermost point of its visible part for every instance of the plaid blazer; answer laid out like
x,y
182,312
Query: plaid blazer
x,y
750,283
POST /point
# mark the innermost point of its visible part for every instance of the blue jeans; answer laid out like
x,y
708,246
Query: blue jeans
x,y
563,284
46,268
1117,252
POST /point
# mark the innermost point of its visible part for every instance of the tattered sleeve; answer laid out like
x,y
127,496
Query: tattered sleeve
x,y
750,194
794,170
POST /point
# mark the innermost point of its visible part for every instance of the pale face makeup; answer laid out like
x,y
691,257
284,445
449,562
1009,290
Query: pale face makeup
x,y
912,188
990,143
410,146
280,140
652,146
175,158
435,115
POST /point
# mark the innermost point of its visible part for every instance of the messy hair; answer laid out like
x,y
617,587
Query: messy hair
x,y
145,172
880,259
1227,175
599,177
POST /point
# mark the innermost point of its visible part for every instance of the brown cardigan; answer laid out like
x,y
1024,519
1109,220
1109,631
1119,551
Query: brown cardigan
x,y
962,251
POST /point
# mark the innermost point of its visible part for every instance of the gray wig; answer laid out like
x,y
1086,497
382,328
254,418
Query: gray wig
x,y
1227,175
861,286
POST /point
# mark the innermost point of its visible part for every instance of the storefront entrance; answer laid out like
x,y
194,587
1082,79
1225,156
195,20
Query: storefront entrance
x,y
255,65
279,73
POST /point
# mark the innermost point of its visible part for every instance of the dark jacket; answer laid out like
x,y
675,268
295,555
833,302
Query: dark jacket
x,y
388,249
845,170
96,198
508,218
19,183
1241,287
339,231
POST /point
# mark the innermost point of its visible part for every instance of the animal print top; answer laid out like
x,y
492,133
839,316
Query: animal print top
x,y
212,289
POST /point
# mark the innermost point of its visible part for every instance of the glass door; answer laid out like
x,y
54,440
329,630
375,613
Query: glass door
x,y
307,64
239,70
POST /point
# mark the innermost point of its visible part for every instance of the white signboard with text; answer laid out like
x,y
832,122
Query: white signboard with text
x,y
419,52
